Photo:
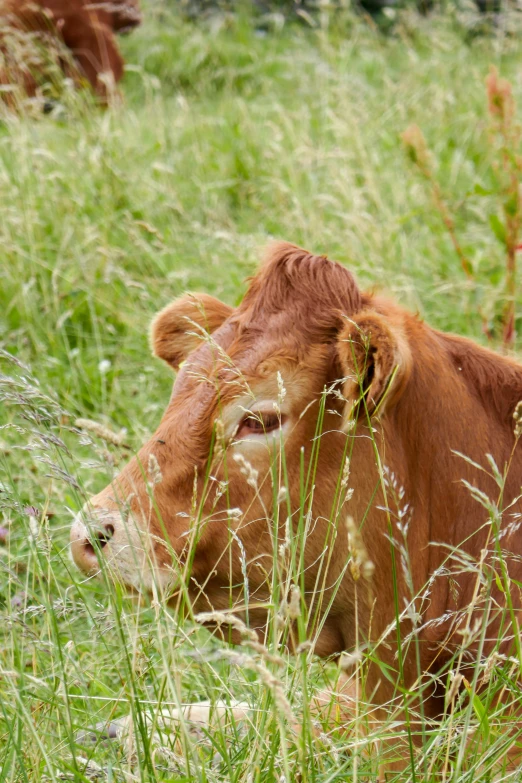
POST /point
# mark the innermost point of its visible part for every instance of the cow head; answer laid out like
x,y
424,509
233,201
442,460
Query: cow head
x,y
120,15
258,431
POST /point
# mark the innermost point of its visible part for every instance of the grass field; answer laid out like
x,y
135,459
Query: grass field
x,y
228,137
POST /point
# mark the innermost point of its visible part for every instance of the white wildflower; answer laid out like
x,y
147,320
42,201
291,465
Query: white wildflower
x,y
104,366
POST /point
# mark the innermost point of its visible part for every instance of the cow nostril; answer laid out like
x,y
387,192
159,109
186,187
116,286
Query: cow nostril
x,y
101,537
89,536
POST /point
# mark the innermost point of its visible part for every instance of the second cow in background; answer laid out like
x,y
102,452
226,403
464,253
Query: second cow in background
x,y
76,36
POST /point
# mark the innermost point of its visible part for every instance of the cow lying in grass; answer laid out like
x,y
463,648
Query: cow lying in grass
x,y
322,418
38,32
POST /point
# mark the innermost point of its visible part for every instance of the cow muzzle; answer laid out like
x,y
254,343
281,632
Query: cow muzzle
x,y
120,544
91,533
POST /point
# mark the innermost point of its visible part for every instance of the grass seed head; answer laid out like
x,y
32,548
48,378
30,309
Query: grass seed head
x,y
154,470
347,661
246,468
500,96
360,563
454,687
416,147
293,607
517,416
101,431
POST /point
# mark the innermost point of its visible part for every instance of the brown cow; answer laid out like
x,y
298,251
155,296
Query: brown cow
x,y
31,29
382,420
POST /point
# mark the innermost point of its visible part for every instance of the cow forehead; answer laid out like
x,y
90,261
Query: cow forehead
x,y
238,352
236,362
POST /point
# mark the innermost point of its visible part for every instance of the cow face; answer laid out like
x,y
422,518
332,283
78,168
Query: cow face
x,y
256,434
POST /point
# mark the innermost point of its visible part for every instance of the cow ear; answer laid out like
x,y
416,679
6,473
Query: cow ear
x,y
181,326
375,361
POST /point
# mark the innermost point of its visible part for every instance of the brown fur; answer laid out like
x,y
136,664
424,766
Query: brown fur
x,y
86,28
179,327
426,395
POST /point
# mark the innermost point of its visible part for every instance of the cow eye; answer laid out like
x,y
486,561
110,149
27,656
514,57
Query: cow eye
x,y
259,424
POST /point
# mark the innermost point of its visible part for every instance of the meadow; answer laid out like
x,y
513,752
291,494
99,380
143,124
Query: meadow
x,y
229,134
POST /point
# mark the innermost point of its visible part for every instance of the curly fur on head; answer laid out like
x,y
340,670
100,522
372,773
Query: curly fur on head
x,y
309,287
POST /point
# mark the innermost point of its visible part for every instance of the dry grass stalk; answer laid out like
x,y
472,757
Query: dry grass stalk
x,y
506,133
418,151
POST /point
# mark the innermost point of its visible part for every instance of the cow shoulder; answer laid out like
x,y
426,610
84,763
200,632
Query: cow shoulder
x,y
496,381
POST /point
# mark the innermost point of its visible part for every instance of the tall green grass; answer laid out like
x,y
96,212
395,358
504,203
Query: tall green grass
x,y
228,137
